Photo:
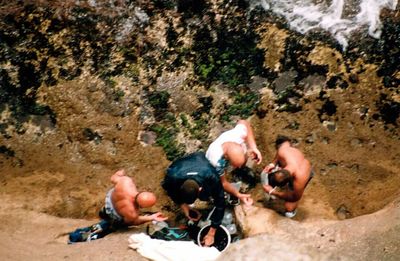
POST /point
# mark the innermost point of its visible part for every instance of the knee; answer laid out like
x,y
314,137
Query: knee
x,y
291,206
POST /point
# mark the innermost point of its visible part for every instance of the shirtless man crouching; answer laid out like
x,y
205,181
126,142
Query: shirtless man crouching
x,y
123,202
289,168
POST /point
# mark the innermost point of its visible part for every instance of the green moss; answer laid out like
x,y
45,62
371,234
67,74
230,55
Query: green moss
x,y
200,129
184,120
245,102
232,59
166,138
119,94
159,100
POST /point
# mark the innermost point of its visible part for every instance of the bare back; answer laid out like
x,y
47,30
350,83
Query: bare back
x,y
294,161
123,198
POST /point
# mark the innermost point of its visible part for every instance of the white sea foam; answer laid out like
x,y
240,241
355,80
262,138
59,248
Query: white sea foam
x,y
338,17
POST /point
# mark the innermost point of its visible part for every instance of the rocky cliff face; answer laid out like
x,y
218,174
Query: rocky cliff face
x,y
89,87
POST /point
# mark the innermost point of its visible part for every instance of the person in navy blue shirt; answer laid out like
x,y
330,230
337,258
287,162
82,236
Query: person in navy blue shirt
x,y
193,177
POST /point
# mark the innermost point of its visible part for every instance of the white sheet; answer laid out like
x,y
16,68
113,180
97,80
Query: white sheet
x,y
161,250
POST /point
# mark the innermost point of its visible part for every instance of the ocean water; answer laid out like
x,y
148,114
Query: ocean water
x,y
340,18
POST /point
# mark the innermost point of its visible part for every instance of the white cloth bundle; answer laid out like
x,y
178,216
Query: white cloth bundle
x,y
161,250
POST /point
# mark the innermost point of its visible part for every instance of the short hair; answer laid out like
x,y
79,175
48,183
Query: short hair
x,y
279,178
189,191
280,139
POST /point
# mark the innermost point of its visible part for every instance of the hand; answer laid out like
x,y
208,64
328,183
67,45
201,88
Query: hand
x,y
246,199
158,217
269,167
267,188
208,240
255,155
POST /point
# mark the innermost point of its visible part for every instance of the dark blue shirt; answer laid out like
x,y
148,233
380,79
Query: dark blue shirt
x,y
195,166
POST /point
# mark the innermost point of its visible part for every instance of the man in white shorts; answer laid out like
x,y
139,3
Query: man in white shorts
x,y
231,148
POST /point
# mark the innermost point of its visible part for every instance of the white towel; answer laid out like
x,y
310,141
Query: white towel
x,y
161,250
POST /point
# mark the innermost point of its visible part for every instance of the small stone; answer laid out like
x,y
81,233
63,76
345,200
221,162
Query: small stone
x,y
330,125
332,165
342,212
356,142
147,137
310,138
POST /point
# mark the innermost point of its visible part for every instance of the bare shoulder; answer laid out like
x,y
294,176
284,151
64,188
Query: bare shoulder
x,y
120,176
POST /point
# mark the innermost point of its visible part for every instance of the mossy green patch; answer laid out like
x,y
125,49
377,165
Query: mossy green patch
x,y
231,58
244,105
166,138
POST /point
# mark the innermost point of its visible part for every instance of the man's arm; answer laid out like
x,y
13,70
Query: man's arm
x,y
289,195
272,165
187,212
141,219
228,187
217,193
250,140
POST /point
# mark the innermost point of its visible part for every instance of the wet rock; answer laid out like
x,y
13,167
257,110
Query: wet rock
x,y
186,102
44,122
147,137
257,83
312,84
284,82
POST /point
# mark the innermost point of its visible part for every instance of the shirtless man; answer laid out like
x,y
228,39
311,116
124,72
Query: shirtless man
x,y
123,202
291,161
230,148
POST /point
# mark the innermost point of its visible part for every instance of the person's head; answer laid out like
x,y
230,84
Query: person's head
x,y
189,191
280,140
145,199
235,154
279,178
